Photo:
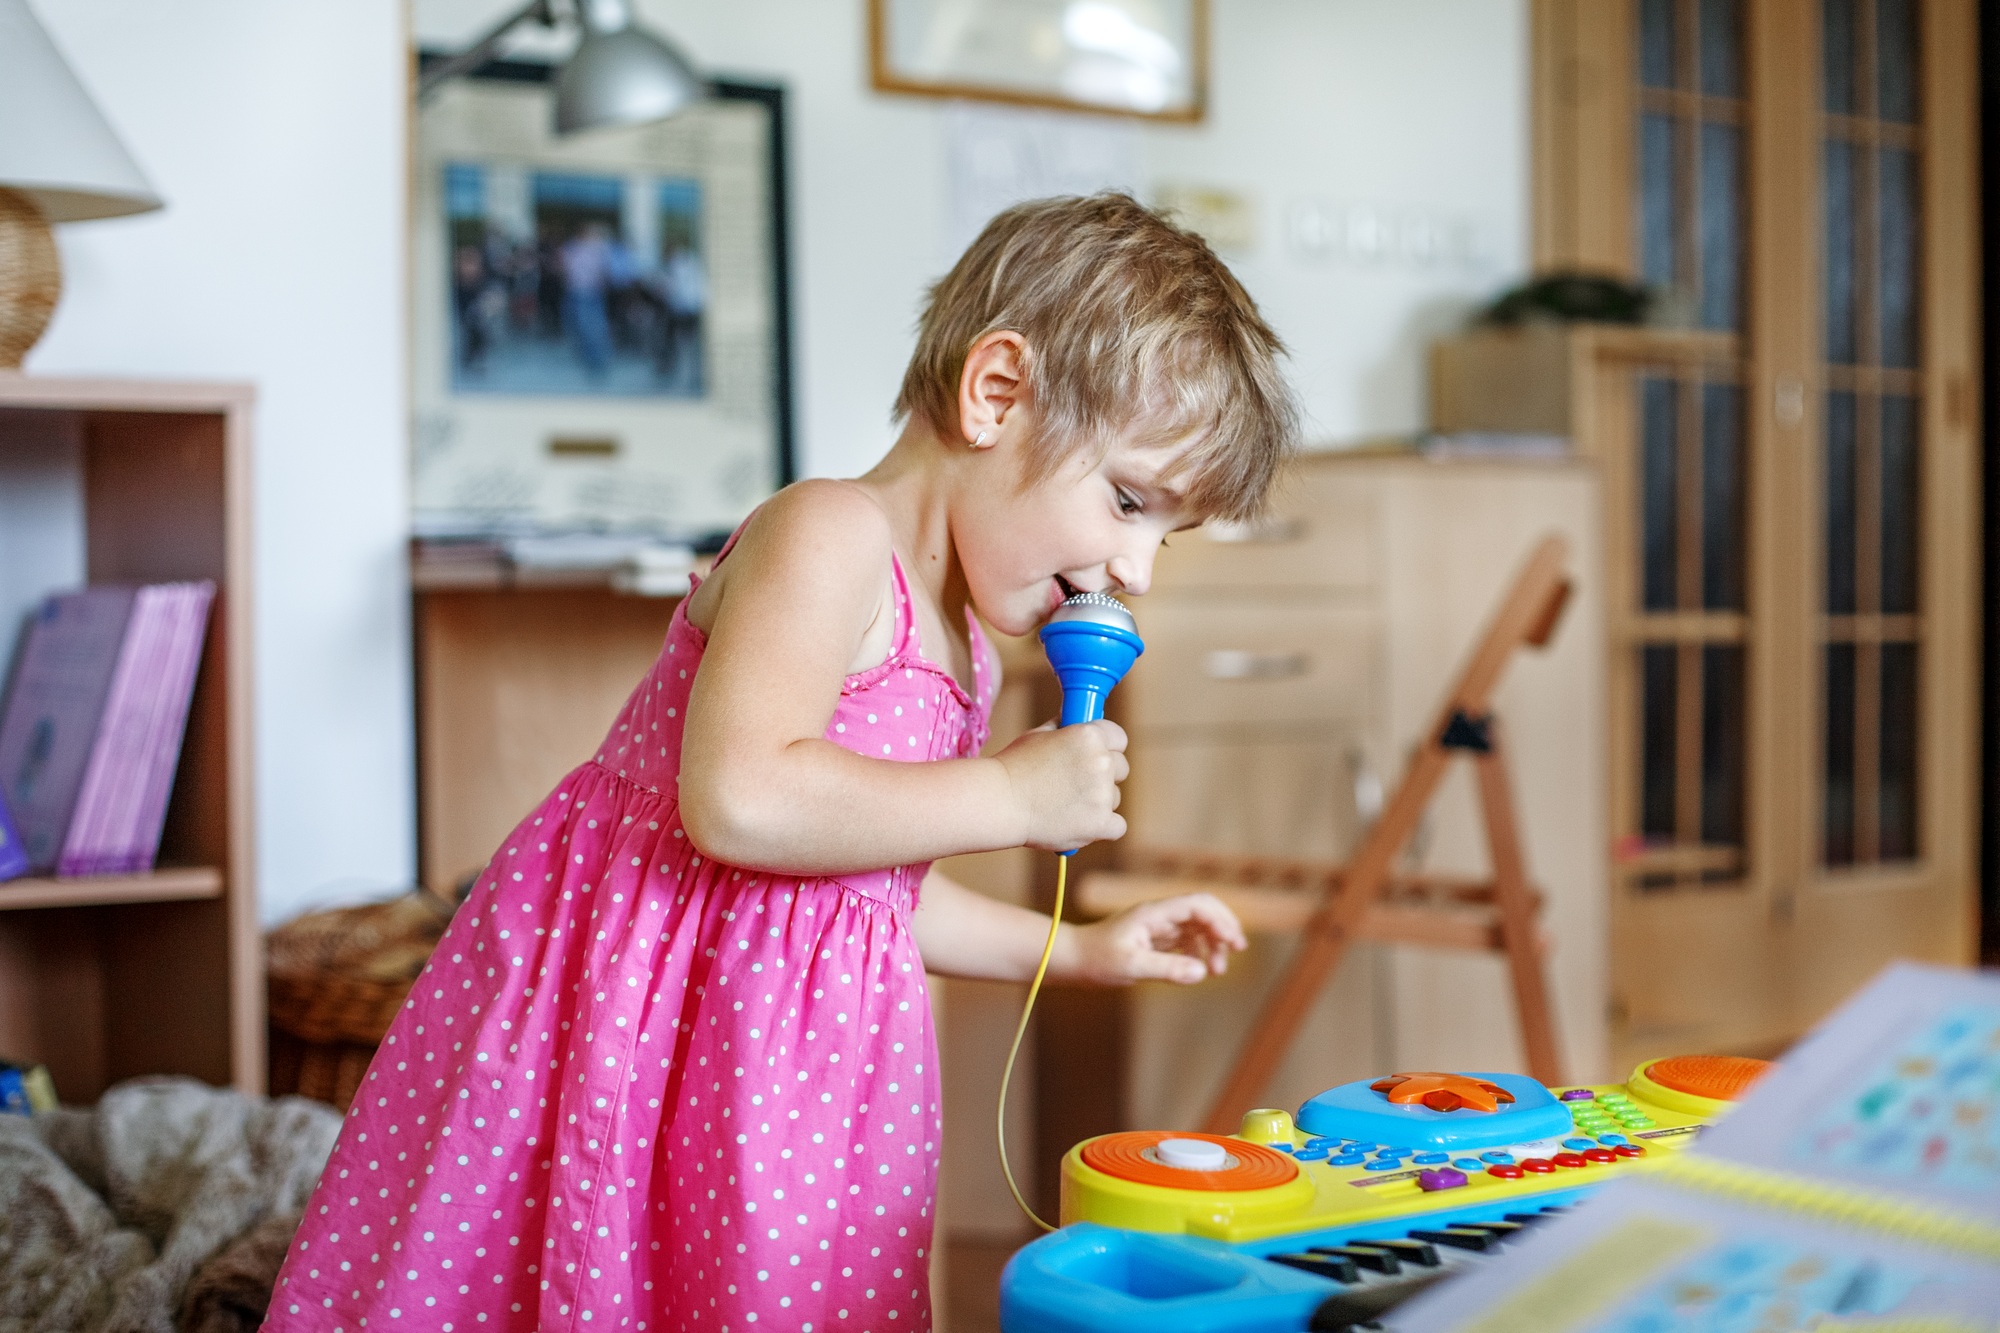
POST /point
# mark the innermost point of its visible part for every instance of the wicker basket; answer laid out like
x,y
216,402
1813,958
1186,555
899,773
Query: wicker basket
x,y
336,980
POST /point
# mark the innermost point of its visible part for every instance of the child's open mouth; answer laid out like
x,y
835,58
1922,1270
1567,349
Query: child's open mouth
x,y
1060,593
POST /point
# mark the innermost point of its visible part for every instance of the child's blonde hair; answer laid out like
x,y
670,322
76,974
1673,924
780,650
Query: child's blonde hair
x,y
1129,321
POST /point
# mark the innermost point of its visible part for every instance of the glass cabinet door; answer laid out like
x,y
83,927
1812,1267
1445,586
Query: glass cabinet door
x,y
1792,499
1871,447
1689,621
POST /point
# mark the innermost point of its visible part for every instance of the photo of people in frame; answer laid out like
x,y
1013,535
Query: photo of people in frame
x,y
566,283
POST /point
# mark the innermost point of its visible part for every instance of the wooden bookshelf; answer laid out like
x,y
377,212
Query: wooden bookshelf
x,y
177,884
105,978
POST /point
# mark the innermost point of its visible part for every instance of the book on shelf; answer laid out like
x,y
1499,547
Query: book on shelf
x,y
1856,1186
13,858
93,724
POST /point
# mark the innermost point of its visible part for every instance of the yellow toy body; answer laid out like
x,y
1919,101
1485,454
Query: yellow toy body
x,y
1282,1181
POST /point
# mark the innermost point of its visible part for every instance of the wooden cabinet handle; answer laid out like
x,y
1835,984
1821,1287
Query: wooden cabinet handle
x,y
1239,664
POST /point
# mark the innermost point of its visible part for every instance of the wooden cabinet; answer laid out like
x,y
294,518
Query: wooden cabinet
x,y
1742,907
1289,667
106,978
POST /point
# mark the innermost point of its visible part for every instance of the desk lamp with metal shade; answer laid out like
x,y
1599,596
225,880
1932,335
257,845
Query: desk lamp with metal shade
x,y
619,74
59,162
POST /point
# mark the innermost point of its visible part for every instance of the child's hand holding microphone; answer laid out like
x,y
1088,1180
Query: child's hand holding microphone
x,y
1065,784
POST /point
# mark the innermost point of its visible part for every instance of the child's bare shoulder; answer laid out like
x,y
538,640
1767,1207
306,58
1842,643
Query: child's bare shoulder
x,y
823,541
821,519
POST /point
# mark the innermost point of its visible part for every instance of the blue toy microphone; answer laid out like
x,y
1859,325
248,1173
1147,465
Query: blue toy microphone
x,y
1092,642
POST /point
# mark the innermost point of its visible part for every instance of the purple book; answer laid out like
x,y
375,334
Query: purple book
x,y
13,860
53,709
118,752
180,666
123,809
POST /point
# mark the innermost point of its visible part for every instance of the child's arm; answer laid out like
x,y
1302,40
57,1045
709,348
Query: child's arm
x,y
760,787
963,933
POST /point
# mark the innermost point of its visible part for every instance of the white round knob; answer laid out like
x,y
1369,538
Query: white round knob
x,y
1192,1154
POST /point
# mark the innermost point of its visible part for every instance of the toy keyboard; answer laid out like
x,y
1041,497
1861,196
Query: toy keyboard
x,y
1323,1221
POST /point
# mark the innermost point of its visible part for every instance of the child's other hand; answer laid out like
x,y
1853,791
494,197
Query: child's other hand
x,y
1185,939
1065,781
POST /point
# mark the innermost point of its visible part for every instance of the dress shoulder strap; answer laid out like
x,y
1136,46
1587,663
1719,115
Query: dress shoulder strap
x,y
905,636
730,544
906,614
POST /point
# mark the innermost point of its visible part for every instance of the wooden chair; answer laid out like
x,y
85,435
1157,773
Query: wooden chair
x,y
1334,904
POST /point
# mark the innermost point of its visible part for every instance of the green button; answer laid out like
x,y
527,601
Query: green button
x,y
1640,1122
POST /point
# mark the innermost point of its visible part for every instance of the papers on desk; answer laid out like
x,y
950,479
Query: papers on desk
x,y
640,564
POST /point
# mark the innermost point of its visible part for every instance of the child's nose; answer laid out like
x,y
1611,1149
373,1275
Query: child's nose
x,y
1132,573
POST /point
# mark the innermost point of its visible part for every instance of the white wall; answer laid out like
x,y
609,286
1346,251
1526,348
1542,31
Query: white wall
x,y
1411,106
275,133
1405,109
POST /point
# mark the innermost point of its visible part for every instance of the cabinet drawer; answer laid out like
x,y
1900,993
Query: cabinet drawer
x,y
1307,541
1296,797
1210,663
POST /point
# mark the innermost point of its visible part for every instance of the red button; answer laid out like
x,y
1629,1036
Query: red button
x,y
1599,1155
1504,1172
1539,1165
1629,1150
1569,1159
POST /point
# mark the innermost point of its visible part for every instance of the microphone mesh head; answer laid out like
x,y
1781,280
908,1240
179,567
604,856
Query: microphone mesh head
x,y
1094,607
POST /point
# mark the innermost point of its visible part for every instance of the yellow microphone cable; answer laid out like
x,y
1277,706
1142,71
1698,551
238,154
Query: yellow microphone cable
x,y
1091,641
1021,1030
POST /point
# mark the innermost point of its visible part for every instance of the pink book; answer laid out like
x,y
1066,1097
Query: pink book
x,y
102,854
131,773
136,840
121,734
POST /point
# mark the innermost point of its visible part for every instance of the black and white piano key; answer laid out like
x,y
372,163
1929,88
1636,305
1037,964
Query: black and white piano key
x,y
1374,1258
1391,1270
1335,1266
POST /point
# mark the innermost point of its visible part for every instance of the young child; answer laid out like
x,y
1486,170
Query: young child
x,y
672,1066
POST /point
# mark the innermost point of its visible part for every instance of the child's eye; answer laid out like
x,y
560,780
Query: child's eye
x,y
1128,503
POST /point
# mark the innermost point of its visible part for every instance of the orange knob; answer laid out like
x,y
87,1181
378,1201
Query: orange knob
x,y
1724,1078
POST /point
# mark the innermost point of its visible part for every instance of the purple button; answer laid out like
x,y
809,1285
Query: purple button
x,y
1444,1178
1579,1095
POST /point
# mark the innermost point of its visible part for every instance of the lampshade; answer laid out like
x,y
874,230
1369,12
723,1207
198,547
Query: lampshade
x,y
620,74
56,148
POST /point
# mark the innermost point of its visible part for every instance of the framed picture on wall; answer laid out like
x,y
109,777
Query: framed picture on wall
x,y
1127,57
600,338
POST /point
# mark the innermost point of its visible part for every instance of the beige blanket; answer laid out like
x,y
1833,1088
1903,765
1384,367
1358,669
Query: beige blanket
x,y
109,1215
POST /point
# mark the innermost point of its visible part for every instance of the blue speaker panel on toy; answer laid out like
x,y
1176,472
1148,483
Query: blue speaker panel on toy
x,y
1356,1111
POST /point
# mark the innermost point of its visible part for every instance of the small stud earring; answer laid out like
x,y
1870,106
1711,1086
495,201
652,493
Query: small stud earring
x,y
979,439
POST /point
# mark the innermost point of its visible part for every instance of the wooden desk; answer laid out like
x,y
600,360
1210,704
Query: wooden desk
x,y
517,682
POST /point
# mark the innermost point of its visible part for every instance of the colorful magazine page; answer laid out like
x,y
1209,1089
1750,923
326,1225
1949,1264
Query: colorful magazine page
x,y
1897,1095
1649,1256
52,711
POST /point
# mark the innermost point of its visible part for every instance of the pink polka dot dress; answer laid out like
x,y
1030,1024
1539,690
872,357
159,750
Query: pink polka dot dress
x,y
640,1089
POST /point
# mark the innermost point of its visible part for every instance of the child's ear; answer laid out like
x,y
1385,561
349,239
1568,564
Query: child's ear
x,y
992,385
